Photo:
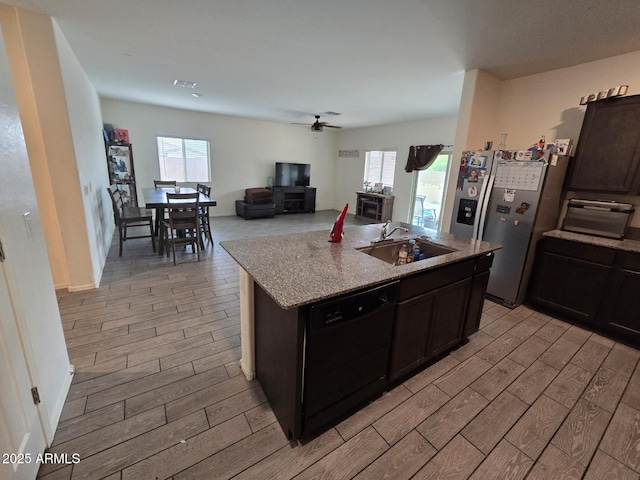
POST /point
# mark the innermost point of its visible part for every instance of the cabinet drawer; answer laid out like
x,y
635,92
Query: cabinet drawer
x,y
580,251
484,263
629,261
437,278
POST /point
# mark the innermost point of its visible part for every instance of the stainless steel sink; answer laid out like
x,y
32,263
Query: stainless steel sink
x,y
388,251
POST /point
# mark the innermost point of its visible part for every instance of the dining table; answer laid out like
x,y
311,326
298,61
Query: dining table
x,y
156,198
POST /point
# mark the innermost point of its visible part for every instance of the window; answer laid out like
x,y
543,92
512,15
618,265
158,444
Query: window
x,y
183,159
380,167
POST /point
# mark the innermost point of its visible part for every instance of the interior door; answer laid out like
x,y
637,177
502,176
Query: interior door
x,y
21,434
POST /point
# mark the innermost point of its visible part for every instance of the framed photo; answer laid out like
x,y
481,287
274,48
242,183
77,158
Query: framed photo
x,y
478,161
119,158
127,194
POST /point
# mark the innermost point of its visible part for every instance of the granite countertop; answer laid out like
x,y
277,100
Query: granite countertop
x,y
303,268
629,245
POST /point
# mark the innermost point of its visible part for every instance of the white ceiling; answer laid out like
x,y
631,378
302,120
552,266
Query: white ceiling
x,y
374,61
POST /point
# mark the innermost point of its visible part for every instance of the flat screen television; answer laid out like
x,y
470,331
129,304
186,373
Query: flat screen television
x,y
292,174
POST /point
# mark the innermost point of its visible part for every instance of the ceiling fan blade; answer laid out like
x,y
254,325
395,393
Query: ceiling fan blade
x,y
317,126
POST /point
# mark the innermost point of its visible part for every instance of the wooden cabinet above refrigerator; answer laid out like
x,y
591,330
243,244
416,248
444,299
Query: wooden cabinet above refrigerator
x,y
608,154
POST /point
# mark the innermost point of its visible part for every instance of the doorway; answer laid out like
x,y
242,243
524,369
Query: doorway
x,y
429,192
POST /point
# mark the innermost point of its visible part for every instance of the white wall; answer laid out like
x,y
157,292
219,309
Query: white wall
x,y
548,104
27,269
20,71
399,137
243,151
475,125
543,104
54,96
85,120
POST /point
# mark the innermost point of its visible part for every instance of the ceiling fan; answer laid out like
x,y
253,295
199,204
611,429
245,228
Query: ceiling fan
x,y
318,126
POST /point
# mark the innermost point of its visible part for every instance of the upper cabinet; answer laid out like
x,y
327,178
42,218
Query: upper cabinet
x,y
608,152
121,172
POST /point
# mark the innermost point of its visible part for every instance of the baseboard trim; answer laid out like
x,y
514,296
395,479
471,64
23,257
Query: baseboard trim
x,y
57,411
80,288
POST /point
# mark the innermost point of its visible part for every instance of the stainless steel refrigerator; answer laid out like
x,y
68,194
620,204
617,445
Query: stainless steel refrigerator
x,y
509,198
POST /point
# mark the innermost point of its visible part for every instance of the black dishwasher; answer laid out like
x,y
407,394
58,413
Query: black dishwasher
x,y
347,352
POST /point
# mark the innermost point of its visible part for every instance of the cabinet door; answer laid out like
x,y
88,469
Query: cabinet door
x,y
449,317
310,200
569,286
476,299
607,156
476,296
410,334
278,199
625,301
623,298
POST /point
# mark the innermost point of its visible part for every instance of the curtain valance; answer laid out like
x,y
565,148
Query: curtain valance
x,y
422,156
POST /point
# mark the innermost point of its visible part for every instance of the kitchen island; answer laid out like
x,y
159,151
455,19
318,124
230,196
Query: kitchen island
x,y
333,326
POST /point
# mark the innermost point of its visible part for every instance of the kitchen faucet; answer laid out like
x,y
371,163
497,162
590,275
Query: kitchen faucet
x,y
384,234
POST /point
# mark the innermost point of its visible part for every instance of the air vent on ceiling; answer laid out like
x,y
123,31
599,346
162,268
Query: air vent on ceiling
x,y
184,83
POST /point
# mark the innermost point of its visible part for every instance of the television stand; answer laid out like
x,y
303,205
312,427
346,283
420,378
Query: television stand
x,y
294,199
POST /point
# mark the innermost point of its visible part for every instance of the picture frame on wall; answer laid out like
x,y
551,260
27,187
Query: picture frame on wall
x,y
127,194
120,169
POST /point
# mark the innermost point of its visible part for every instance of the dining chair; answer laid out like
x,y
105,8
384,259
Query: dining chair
x,y
418,210
125,216
182,227
159,212
205,221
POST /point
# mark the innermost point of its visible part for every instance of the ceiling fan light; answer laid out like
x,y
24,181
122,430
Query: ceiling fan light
x,y
316,127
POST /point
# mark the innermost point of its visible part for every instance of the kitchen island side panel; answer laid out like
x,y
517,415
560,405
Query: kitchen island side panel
x,y
278,352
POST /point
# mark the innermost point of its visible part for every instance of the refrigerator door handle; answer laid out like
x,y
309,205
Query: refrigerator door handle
x,y
485,195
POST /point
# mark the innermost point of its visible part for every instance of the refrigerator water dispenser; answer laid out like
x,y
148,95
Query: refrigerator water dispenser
x,y
467,211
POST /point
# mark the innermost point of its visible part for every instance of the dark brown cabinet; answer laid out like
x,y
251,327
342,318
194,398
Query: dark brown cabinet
x,y
608,153
592,285
570,278
449,315
476,296
437,310
301,351
622,312
411,334
294,199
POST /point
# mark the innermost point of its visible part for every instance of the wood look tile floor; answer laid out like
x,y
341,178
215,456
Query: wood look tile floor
x,y
158,392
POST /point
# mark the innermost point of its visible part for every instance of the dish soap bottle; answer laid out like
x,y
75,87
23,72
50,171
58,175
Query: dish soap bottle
x,y
410,251
402,254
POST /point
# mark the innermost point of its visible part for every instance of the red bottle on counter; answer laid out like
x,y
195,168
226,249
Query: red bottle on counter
x,y
335,235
